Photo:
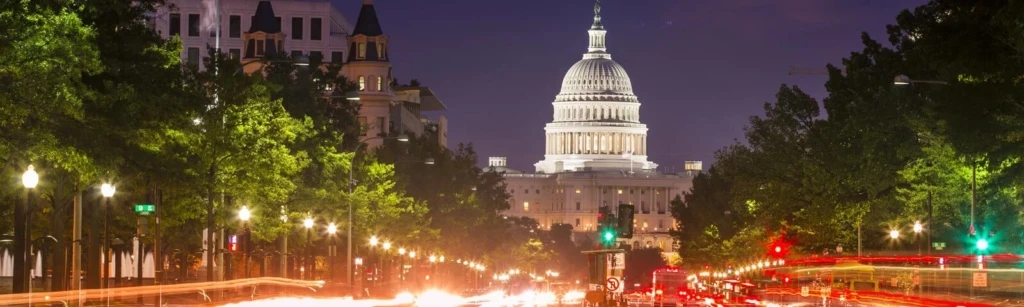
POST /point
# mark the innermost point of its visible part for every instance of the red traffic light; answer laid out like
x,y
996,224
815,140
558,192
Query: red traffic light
x,y
778,249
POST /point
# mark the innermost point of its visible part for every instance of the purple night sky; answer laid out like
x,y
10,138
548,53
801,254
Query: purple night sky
x,y
699,68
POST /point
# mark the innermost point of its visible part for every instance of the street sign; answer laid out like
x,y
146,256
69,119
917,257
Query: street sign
x,y
939,245
145,209
613,284
617,261
980,279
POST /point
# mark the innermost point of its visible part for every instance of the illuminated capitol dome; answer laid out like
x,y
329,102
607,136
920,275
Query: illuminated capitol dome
x,y
595,156
596,122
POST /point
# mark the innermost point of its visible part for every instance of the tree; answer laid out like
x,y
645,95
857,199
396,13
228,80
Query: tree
x,y
464,201
641,263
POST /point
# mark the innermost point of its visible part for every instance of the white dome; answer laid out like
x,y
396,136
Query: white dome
x,y
596,78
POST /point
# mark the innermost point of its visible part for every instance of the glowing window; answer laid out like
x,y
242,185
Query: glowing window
x,y
526,206
362,83
380,83
620,191
361,54
577,191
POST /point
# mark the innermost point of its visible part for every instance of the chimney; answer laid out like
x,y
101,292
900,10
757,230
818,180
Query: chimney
x,y
497,161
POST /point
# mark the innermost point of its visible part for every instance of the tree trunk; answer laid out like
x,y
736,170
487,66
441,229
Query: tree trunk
x,y
58,255
93,249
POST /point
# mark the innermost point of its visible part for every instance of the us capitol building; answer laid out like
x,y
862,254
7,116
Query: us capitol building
x,y
596,155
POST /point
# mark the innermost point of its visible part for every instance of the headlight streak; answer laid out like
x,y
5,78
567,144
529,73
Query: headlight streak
x,y
429,298
202,287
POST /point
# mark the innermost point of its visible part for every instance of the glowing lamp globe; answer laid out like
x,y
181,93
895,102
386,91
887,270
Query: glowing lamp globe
x,y
107,190
244,214
30,178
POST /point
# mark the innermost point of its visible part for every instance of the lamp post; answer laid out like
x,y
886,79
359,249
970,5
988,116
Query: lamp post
x,y
917,233
308,223
401,266
108,192
894,235
331,230
284,245
386,268
21,232
244,215
373,244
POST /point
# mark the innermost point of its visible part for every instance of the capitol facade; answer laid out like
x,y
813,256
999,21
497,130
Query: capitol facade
x,y
596,155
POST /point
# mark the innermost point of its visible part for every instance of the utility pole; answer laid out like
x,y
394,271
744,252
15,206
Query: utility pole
x,y
929,222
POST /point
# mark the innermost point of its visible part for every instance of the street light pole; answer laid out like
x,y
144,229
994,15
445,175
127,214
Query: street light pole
x,y
308,223
331,230
244,215
21,232
108,192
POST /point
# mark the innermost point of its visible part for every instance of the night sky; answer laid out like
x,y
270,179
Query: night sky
x,y
699,68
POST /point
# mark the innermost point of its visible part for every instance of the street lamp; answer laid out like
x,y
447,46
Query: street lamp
x,y
244,216
107,190
308,223
331,230
917,233
21,232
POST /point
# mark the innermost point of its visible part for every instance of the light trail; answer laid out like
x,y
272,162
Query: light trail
x,y
198,288
429,298
905,268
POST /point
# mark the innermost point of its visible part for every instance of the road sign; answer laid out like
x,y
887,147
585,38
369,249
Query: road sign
x,y
613,284
145,209
980,279
617,261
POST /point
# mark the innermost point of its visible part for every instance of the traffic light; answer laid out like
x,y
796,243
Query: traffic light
x,y
607,226
982,244
625,222
778,248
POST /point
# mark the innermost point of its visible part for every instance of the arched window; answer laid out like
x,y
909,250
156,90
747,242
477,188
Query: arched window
x,y
362,83
380,84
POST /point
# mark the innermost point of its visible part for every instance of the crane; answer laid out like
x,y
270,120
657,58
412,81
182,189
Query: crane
x,y
797,70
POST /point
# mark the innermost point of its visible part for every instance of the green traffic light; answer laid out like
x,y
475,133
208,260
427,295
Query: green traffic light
x,y
982,244
608,236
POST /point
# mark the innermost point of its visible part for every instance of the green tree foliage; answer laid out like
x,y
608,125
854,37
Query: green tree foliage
x,y
870,159
464,201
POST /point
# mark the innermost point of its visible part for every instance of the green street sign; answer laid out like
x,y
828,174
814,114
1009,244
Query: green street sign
x,y
145,209
939,245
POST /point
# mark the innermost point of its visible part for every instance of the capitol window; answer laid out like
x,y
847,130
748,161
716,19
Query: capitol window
x,y
526,206
361,54
577,191
362,83
620,191
380,83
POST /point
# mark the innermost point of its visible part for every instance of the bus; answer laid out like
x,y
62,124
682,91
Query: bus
x,y
669,287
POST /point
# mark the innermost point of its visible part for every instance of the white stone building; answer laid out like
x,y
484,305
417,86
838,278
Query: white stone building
x,y
596,155
254,29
